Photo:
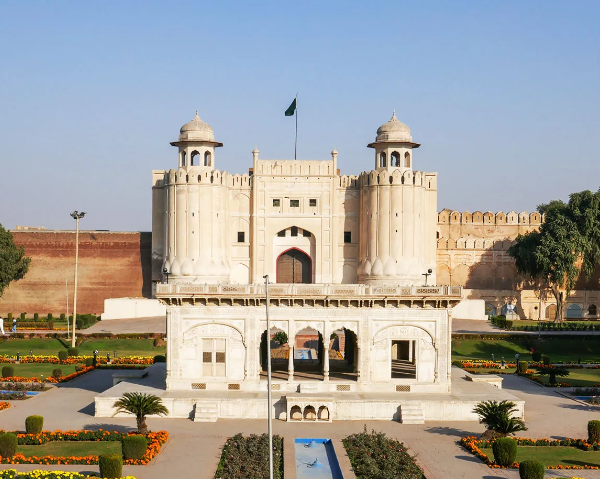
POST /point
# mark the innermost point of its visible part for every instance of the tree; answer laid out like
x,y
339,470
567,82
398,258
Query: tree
x,y
566,245
141,405
280,337
498,417
552,372
13,262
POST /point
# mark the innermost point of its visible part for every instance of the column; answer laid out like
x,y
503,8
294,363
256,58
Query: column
x,y
357,361
410,351
326,362
291,360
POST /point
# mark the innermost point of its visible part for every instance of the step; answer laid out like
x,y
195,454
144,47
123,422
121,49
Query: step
x,y
412,413
205,412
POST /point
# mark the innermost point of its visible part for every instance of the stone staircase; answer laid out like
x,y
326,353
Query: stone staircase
x,y
412,413
205,411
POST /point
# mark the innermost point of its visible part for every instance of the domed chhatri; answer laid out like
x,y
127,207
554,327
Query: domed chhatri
x,y
393,130
196,130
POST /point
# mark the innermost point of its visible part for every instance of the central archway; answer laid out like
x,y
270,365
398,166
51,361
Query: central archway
x,y
294,266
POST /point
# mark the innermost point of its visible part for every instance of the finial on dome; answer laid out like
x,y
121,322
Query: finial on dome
x,y
199,117
255,149
394,116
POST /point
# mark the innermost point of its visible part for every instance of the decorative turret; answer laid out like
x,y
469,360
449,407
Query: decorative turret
x,y
196,144
393,146
398,213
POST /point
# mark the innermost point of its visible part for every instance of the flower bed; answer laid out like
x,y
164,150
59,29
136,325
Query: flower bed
x,y
249,457
48,359
155,441
14,396
4,405
13,474
474,446
375,456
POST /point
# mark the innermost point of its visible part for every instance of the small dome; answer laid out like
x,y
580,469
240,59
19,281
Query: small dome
x,y
196,130
393,130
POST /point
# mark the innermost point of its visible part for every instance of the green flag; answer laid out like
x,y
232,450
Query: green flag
x,y
291,109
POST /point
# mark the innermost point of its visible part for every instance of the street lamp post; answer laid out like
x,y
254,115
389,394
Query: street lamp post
x,y
76,216
429,273
269,401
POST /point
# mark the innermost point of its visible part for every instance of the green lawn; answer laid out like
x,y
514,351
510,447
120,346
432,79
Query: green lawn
x,y
553,455
124,347
557,349
36,370
579,377
71,448
38,346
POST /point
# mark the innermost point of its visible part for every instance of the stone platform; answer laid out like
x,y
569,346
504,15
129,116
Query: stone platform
x,y
415,408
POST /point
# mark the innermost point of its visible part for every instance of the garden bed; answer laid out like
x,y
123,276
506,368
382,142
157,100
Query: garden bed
x,y
71,442
38,474
554,454
4,405
249,457
375,456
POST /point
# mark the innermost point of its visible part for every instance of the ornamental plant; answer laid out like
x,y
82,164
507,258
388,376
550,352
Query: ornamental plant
x,y
8,444
498,417
63,355
134,447
249,457
505,451
552,372
531,470
141,405
73,351
111,466
593,432
34,424
57,373
8,371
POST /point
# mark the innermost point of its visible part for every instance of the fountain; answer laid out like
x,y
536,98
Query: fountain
x,y
316,459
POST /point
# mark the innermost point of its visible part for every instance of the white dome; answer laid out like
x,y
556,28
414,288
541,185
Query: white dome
x,y
196,130
393,130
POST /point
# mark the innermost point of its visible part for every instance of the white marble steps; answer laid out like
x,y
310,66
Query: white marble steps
x,y
412,413
205,411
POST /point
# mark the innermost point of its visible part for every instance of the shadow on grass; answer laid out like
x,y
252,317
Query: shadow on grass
x,y
572,462
108,427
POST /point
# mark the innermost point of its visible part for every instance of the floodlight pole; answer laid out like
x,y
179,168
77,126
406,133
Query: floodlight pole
x,y
269,399
76,216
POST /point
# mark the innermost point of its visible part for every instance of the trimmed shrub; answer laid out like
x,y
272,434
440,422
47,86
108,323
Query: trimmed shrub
x,y
23,316
505,451
50,317
7,372
89,362
63,317
536,356
36,316
111,466
593,431
160,359
546,360
10,316
57,373
34,424
531,470
73,351
134,447
523,367
8,444
63,355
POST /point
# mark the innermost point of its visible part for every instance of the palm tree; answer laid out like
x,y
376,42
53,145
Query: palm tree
x,y
142,405
552,372
497,417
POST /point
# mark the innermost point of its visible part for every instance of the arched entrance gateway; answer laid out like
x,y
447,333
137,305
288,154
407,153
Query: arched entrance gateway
x,y
294,266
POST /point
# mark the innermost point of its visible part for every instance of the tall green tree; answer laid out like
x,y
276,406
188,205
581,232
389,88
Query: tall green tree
x,y
566,246
13,262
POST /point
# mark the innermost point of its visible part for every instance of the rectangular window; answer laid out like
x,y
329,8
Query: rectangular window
x,y
241,237
213,357
347,237
277,203
312,202
306,234
294,231
295,203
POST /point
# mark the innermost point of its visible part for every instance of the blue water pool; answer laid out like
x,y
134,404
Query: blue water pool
x,y
585,398
302,354
316,459
27,393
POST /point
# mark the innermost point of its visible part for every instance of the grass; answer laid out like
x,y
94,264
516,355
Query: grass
x,y
526,322
71,448
553,455
557,349
36,370
579,377
51,346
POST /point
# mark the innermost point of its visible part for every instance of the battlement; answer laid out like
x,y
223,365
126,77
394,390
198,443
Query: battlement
x,y
488,218
409,177
295,167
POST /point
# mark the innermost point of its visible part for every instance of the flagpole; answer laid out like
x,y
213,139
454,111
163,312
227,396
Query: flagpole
x,y
296,142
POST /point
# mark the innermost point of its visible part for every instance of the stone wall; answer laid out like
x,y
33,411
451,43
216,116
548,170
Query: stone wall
x,y
111,265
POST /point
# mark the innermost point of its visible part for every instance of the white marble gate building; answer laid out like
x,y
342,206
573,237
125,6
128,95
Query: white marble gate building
x,y
354,255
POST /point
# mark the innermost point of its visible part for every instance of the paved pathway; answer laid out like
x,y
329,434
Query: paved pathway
x,y
193,449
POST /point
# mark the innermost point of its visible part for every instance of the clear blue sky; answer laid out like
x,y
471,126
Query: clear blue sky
x,y
504,96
